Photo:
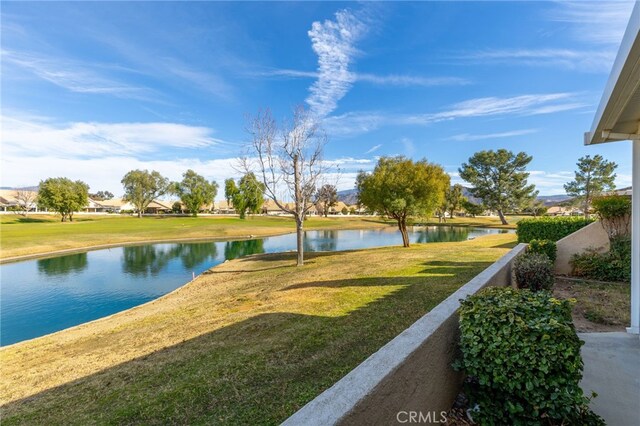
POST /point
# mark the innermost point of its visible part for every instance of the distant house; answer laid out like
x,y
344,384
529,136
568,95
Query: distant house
x,y
223,207
563,211
117,205
9,200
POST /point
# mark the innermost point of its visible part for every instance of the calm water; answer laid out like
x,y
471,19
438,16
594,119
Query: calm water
x,y
46,295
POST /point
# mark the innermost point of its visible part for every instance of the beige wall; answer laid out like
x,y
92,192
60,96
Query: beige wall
x,y
411,373
592,236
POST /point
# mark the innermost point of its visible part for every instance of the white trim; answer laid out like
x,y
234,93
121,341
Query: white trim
x,y
635,241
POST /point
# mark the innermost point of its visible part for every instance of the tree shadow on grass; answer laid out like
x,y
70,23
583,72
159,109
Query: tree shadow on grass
x,y
29,220
259,370
442,267
508,245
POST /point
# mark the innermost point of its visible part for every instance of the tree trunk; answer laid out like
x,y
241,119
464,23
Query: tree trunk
x,y
70,217
300,240
402,226
502,218
139,213
586,206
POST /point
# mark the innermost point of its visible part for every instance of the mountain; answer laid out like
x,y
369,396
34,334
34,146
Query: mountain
x,y
551,200
348,196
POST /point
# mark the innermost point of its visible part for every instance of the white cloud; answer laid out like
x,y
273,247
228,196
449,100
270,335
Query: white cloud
x,y
74,76
25,136
578,60
381,80
601,22
106,172
373,148
334,43
469,137
355,123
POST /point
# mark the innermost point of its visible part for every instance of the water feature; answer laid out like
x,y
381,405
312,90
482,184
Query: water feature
x,y
46,295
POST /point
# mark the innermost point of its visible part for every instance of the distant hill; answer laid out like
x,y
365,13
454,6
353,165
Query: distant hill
x,y
551,200
24,188
348,196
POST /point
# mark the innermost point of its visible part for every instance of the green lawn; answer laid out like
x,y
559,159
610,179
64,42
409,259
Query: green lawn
x,y
36,234
248,342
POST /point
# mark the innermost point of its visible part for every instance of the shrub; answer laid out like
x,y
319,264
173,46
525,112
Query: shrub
x,y
547,247
614,265
615,213
534,271
549,228
522,355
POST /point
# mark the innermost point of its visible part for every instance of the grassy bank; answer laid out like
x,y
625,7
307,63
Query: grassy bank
x,y
249,342
45,233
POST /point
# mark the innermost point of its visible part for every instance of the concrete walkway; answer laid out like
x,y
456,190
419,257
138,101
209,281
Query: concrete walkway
x,y
612,370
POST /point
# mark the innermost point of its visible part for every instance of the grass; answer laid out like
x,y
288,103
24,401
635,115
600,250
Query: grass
x,y
599,306
39,234
478,221
248,342
36,234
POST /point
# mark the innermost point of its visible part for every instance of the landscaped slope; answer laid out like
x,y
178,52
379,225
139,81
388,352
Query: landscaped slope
x,y
250,341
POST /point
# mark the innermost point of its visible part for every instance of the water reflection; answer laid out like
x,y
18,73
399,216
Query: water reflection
x,y
150,260
193,255
142,261
63,265
235,249
442,234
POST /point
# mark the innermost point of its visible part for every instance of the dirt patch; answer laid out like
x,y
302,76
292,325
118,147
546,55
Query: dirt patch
x,y
599,307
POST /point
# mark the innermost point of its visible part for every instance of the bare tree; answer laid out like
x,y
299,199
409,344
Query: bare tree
x,y
288,159
26,200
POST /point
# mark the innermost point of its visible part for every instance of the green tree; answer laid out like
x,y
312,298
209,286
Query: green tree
x,y
472,208
63,196
249,195
399,187
594,175
195,191
499,179
101,196
230,189
327,197
141,187
454,199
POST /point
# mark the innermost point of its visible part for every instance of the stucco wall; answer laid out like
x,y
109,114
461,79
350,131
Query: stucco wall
x,y
592,236
411,373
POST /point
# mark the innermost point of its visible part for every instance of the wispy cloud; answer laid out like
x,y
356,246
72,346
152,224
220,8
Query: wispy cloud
x,y
334,43
82,140
74,76
374,149
579,60
594,22
464,137
380,80
354,123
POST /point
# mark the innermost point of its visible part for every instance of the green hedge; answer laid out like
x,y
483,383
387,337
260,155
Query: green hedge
x,y
521,355
614,265
547,247
549,228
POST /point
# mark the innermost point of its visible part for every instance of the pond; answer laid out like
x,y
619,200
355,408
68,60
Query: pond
x,y
39,297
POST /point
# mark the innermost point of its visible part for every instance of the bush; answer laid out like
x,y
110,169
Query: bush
x,y
549,228
534,271
547,247
522,355
615,213
614,265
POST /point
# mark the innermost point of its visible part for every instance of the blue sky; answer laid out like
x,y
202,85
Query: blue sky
x,y
91,90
